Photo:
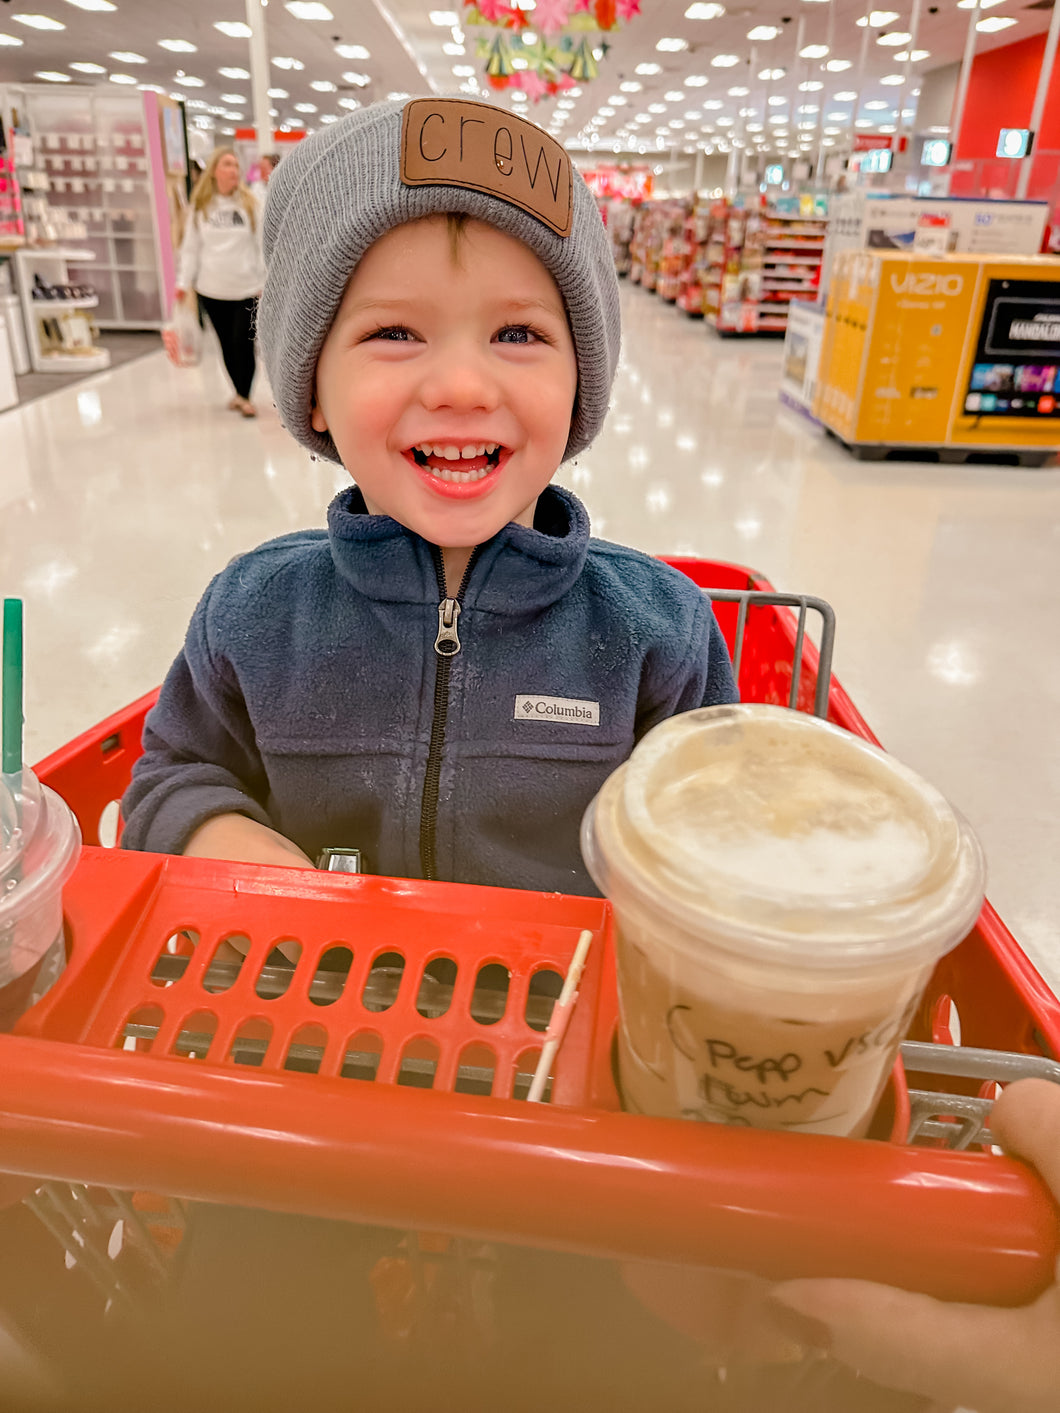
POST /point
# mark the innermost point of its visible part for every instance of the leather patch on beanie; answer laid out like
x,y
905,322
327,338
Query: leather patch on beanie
x,y
456,142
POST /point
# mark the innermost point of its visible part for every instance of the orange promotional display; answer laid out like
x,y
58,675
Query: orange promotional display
x,y
958,353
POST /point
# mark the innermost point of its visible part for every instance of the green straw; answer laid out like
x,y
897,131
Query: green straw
x,y
12,688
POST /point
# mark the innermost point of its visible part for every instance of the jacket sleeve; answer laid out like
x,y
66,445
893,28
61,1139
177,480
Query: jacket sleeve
x,y
200,758
190,250
703,677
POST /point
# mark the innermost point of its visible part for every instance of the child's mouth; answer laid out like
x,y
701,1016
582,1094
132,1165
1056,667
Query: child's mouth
x,y
459,465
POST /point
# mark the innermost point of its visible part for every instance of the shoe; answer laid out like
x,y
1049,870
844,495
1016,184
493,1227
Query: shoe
x,y
247,408
236,405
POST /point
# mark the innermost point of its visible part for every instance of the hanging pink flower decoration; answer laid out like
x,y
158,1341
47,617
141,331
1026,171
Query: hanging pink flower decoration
x,y
533,85
627,9
494,12
551,15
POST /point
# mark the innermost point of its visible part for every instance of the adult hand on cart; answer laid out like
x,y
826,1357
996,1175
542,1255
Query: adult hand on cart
x,y
992,1360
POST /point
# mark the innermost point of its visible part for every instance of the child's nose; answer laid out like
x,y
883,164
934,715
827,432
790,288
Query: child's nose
x,y
459,379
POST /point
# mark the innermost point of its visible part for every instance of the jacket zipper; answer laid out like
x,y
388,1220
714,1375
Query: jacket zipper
x,y
446,645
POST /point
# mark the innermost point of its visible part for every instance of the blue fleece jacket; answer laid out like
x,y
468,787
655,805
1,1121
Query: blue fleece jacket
x,y
310,695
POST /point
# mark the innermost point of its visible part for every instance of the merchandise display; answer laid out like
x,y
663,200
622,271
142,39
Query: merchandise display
x,y
959,353
55,310
771,260
93,175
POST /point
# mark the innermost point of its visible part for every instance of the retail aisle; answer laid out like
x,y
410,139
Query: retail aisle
x,y
121,497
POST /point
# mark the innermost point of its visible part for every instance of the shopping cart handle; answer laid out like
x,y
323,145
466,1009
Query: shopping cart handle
x,y
955,1225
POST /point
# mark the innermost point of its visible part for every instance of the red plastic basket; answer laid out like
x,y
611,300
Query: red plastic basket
x,y
145,1068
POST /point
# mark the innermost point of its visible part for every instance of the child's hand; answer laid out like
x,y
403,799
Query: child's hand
x,y
243,840
996,1361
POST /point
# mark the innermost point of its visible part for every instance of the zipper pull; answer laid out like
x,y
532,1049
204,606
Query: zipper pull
x,y
447,643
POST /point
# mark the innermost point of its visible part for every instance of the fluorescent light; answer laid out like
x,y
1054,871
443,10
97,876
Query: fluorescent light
x,y
876,105
631,86
356,51
763,32
671,46
970,4
278,93
186,81
308,10
283,62
15,43
233,73
916,56
444,19
738,92
235,29
656,107
350,103
466,70
179,46
397,96
776,101
877,19
125,56
49,77
701,11
987,26
305,108
813,51
845,97
233,98
92,4
893,80
837,117
86,68
150,88
895,39
771,75
674,96
358,80
324,86
724,61
811,86
451,49
41,22
714,104
837,66
122,78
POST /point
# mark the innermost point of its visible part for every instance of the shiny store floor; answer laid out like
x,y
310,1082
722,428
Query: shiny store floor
x,y
122,496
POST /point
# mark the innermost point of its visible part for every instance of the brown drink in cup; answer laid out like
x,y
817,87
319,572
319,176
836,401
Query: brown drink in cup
x,y
782,891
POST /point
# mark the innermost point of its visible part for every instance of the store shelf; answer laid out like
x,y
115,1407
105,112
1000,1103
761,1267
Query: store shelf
x,y
48,306
74,362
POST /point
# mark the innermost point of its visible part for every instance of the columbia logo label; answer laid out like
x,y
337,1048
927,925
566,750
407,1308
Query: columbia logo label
x,y
570,711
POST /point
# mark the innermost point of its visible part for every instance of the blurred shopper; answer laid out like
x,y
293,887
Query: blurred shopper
x,y
221,260
266,166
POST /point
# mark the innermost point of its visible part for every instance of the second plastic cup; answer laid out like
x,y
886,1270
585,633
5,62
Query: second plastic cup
x,y
40,843
782,891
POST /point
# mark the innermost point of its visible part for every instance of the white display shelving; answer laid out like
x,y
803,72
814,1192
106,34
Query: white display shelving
x,y
96,158
45,355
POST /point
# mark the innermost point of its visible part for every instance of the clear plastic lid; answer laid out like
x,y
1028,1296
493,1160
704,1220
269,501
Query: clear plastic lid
x,y
782,836
39,844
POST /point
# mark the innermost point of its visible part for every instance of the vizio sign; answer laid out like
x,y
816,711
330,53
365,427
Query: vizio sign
x,y
928,284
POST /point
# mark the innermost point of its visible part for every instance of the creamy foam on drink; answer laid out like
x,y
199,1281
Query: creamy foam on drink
x,y
782,891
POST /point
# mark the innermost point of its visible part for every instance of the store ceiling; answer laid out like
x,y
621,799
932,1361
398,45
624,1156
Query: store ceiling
x,y
405,55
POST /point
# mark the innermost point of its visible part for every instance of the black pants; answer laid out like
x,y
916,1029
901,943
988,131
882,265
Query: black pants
x,y
233,319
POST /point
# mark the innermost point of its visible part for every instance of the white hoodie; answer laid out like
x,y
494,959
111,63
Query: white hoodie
x,y
221,254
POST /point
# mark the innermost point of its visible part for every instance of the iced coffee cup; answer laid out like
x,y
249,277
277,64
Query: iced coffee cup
x,y
781,891
39,846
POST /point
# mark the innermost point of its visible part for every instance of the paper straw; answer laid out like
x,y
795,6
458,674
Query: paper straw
x,y
12,688
561,1014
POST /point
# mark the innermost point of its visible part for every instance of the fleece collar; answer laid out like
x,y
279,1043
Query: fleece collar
x,y
518,571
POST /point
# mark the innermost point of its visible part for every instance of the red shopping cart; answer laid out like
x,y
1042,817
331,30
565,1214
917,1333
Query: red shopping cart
x,y
383,1078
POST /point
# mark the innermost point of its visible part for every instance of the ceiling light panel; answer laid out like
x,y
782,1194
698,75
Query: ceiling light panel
x,y
178,46
308,10
92,4
358,51
762,32
124,56
234,29
234,73
988,26
42,22
88,68
671,46
724,61
895,39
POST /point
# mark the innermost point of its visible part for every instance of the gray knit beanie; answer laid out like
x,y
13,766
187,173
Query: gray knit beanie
x,y
341,189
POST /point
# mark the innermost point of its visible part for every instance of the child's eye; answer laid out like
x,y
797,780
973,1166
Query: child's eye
x,y
395,332
520,334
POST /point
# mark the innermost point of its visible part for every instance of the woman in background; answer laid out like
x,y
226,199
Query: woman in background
x,y
221,260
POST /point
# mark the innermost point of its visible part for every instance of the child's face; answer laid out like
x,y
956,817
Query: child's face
x,y
429,354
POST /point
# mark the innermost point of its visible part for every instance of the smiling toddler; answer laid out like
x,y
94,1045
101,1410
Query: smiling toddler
x,y
446,675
